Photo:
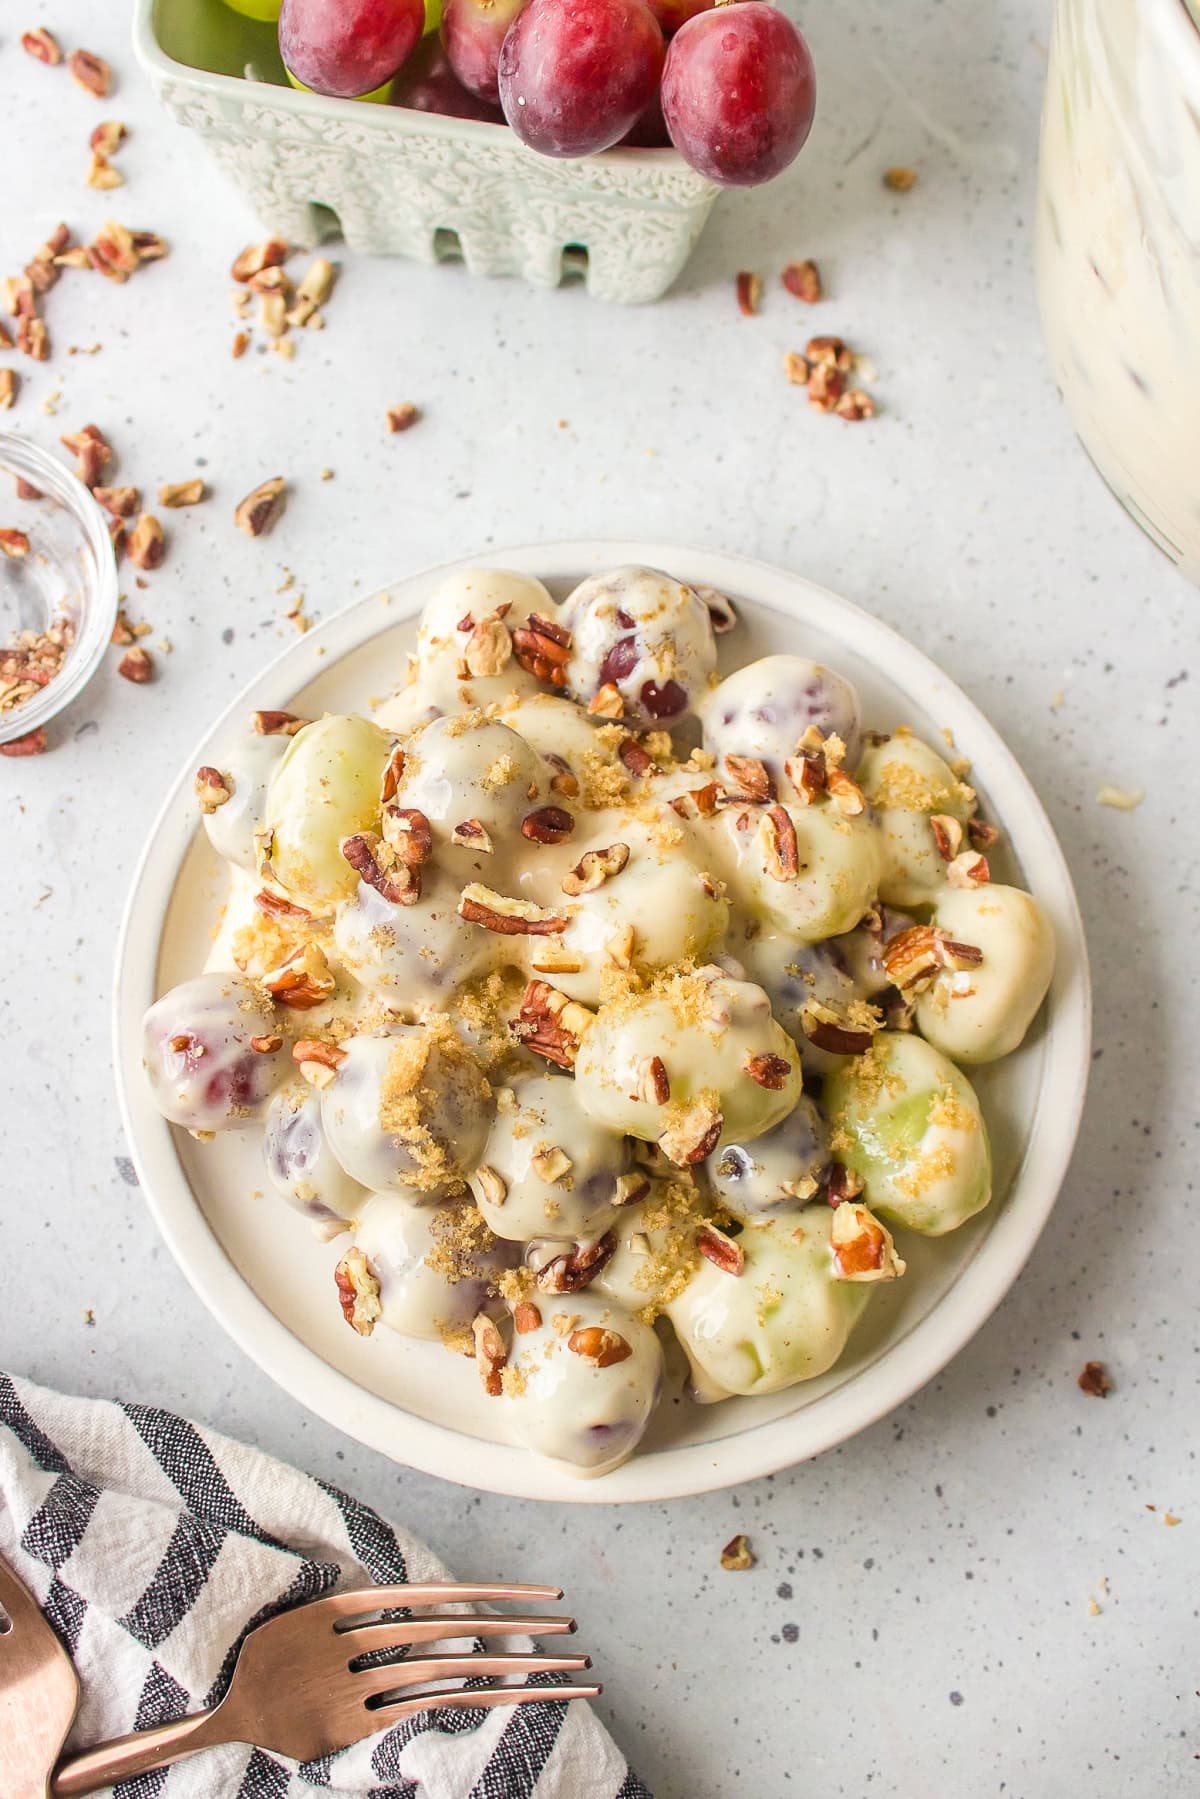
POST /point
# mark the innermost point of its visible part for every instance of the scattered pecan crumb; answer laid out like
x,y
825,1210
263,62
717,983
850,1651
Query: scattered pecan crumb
x,y
796,368
8,388
804,280
108,137
33,743
900,180
101,173
14,544
147,545
748,287
402,418
737,1554
240,344
856,403
136,665
91,72
262,507
41,45
1095,1380
1121,799
181,493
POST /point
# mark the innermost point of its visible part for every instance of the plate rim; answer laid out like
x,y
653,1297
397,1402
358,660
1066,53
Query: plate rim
x,y
924,1349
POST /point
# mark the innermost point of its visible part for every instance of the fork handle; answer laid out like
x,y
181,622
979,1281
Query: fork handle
x,y
139,1753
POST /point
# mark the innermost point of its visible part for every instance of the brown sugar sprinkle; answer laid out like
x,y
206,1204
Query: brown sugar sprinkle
x,y
1095,1380
31,662
900,180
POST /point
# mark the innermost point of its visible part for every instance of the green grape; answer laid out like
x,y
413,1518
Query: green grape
x,y
907,1121
908,783
325,789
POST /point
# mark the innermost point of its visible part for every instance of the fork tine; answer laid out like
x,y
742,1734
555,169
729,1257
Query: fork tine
x,y
392,1676
487,1697
394,1633
365,1600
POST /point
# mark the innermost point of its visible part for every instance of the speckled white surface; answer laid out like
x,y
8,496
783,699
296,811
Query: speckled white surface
x,y
918,1618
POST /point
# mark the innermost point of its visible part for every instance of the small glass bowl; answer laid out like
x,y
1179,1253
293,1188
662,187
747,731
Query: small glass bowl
x,y
69,573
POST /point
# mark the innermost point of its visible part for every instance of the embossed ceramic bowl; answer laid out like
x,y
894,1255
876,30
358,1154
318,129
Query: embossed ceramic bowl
x,y
419,184
268,1281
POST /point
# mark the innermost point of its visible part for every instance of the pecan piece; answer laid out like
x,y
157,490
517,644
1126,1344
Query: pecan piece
x,y
146,546
636,758
828,1030
983,835
855,404
305,980
92,452
8,388
402,417
212,789
121,502
407,831
274,905
490,1356
262,507
33,340
947,834
826,385
725,1253
492,1184
90,71
181,493
578,1267
470,835
1095,1380
842,1183
14,544
803,279
594,868
277,724
488,649
266,1046
782,850
602,1348
653,1082
256,257
551,1163
376,863
749,779
543,648
548,824
862,1247
42,45
105,140
969,870
358,1292
900,180
748,287
693,1134
391,775
137,665
508,917
526,1318
769,1071
33,743
737,1554
698,802
846,794
102,175
630,1189
808,772
607,702
550,1025
317,1060
914,956
828,350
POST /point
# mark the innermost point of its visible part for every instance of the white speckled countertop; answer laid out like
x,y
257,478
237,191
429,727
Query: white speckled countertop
x,y
919,1617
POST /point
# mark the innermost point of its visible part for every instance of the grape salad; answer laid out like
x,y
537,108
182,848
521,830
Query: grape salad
x,y
593,1008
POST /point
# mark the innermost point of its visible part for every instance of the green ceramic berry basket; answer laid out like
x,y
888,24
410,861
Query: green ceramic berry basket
x,y
399,182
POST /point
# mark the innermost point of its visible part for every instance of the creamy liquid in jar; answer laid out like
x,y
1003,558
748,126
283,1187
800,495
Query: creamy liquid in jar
x,y
1118,249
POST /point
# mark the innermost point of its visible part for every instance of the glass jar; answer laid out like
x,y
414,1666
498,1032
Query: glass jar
x,y
1118,250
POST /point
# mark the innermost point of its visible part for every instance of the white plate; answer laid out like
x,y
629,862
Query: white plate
x,y
269,1283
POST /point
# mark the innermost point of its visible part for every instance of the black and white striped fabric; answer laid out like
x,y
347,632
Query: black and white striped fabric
x,y
153,1545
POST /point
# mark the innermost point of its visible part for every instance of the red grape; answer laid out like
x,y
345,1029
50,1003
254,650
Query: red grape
x,y
576,74
348,47
427,83
738,93
671,14
649,131
473,31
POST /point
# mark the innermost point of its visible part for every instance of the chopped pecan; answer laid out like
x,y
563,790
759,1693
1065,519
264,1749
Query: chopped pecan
x,y
862,1247
969,870
212,788
256,257
391,775
749,779
102,175
826,385
470,835
314,289
846,794
274,905
91,72
914,956
543,648
147,546
8,388
305,980
551,1025
121,502
900,180
269,281
376,863
698,802
407,831
262,506
526,1317
653,1082
137,665
42,45
983,835
594,868
769,1071
1095,1380
508,917
92,452
14,544
607,702
630,1189
576,1268
33,340
107,137
241,343
277,724
842,1183
827,1029
488,649
947,834
32,743
490,1356
725,1253
804,280
551,1163
358,1291
636,757
562,780
402,417
315,1053
748,287
266,1046
181,493
602,1348
829,351
855,404
737,1555
693,1134
782,850
548,824
492,1184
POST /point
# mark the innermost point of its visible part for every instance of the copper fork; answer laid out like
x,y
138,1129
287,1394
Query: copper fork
x,y
299,1686
38,1692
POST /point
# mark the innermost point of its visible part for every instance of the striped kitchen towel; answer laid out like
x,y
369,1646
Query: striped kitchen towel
x,y
153,1545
